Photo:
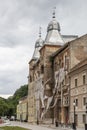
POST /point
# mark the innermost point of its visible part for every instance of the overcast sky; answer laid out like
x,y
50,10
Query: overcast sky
x,y
19,27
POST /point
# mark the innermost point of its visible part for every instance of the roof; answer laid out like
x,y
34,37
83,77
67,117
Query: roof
x,y
60,50
32,60
53,36
66,45
23,98
68,38
37,61
79,65
38,45
51,45
36,53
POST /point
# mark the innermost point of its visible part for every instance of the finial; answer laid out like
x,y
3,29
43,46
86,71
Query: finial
x,y
39,31
54,12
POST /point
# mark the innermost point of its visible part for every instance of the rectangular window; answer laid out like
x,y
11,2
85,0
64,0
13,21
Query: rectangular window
x,y
75,82
42,69
65,62
84,101
84,79
76,102
84,118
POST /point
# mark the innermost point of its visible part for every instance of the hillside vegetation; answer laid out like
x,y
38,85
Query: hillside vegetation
x,y
8,106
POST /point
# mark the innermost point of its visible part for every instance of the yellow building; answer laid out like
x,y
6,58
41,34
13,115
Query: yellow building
x,y
22,109
31,104
18,112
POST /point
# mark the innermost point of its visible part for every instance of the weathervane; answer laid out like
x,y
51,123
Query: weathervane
x,y
54,12
40,31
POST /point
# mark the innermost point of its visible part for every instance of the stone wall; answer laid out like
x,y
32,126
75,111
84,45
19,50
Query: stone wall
x,y
78,50
78,92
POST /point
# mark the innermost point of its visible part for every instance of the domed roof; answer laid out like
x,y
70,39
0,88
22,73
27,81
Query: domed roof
x,y
53,36
39,42
53,25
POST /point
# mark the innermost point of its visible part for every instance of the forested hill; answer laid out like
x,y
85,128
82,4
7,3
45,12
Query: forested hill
x,y
21,92
8,106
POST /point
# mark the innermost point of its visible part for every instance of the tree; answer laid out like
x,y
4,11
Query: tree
x,y
8,106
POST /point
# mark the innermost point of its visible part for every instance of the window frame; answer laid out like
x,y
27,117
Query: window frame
x,y
76,82
84,79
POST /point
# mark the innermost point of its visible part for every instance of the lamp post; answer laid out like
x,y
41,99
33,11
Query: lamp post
x,y
86,118
74,124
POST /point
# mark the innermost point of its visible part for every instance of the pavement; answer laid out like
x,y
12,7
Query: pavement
x,y
37,127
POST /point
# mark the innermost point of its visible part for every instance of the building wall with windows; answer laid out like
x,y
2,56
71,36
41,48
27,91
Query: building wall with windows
x,y
78,92
61,85
49,75
63,60
54,59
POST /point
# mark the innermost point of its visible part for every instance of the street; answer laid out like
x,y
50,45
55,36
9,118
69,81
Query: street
x,y
29,126
33,126
37,127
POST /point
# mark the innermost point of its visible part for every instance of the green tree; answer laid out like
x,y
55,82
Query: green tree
x,y
3,107
8,106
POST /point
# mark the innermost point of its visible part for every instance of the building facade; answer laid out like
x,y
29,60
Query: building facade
x,y
22,109
64,60
53,69
78,93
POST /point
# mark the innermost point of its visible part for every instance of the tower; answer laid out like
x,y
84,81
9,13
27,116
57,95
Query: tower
x,y
53,36
38,44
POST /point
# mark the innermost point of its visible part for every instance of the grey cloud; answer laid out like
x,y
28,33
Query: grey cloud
x,y
10,81
36,13
19,25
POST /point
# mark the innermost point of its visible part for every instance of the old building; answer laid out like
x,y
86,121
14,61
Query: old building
x,y
64,60
78,92
32,114
41,70
22,109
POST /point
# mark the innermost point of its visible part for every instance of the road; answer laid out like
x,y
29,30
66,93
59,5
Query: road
x,y
29,126
26,125
37,127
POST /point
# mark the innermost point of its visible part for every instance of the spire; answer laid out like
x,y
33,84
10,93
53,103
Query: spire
x,y
53,36
40,31
54,12
38,44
